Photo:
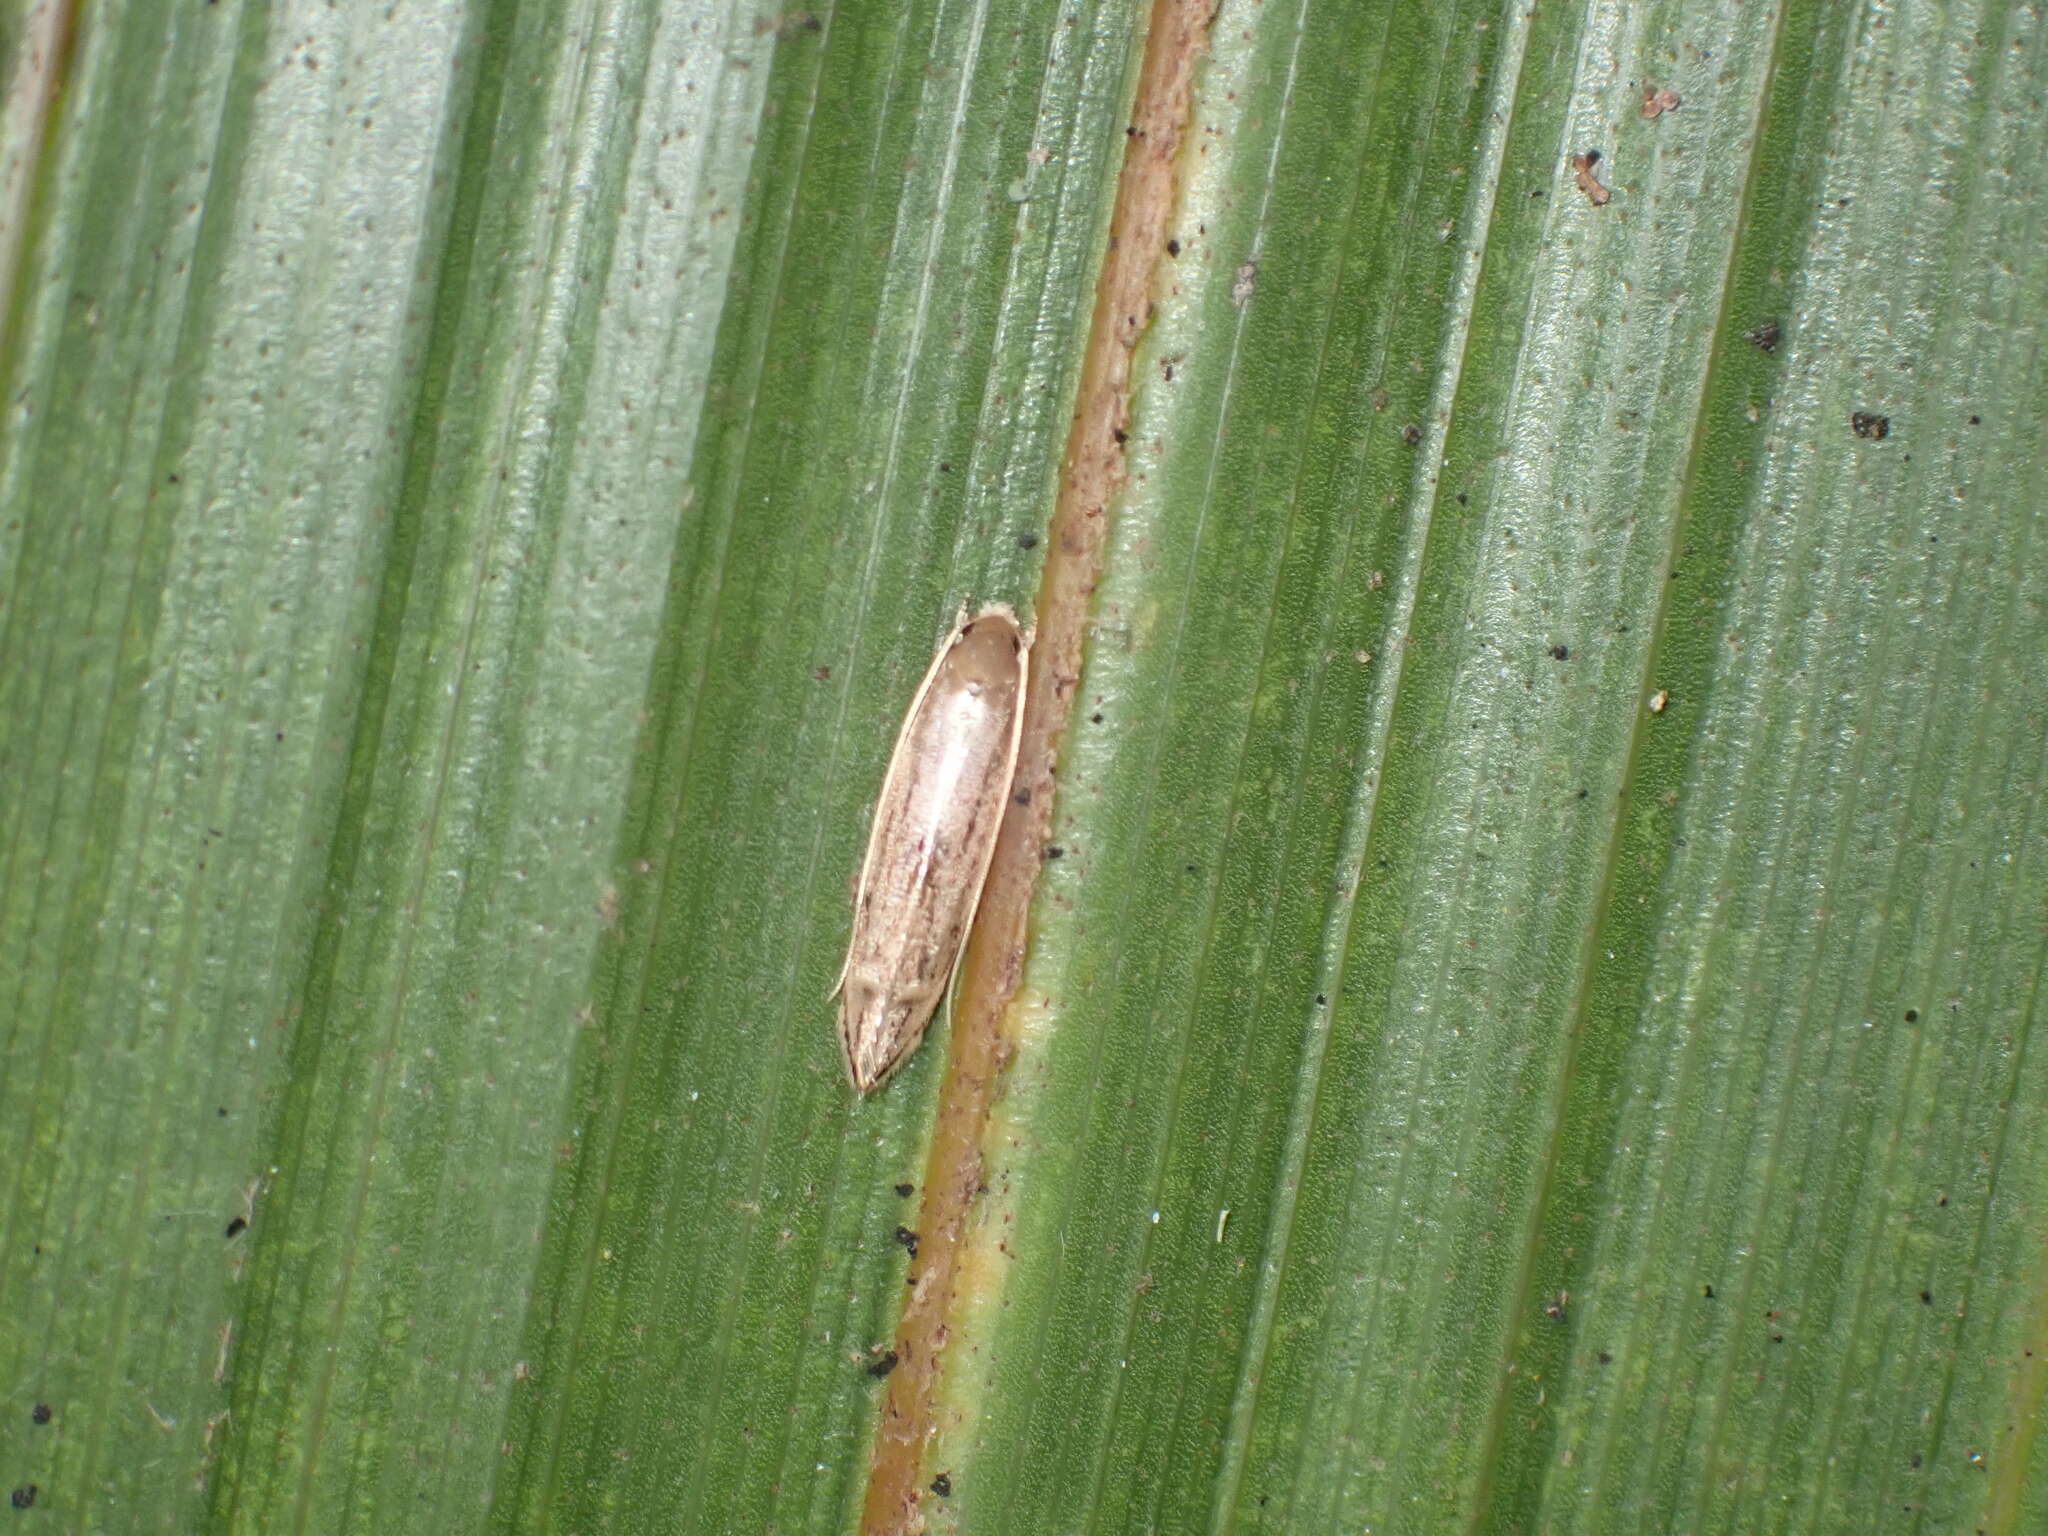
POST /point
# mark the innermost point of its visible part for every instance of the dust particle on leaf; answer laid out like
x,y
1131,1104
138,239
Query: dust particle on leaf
x,y
1864,424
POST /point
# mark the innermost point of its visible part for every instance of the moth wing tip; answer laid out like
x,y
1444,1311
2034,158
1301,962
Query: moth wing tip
x,y
864,1083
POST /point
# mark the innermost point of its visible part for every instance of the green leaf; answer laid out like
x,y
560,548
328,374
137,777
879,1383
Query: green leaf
x,y
1528,1008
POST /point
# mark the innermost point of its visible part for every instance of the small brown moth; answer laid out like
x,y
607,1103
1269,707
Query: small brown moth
x,y
934,833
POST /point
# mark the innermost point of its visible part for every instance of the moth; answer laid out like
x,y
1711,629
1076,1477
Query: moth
x,y
934,833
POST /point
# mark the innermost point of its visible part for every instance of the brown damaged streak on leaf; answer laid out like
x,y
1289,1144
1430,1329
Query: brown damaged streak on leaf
x,y
1091,474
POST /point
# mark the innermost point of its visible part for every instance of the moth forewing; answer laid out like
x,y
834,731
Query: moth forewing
x,y
933,836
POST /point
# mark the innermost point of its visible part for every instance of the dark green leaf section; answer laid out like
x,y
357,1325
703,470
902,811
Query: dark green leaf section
x,y
891,389
1805,1081
593,160
207,347
1530,1028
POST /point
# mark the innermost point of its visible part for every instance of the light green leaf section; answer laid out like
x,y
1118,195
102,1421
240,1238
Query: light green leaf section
x,y
1529,1023
1531,1026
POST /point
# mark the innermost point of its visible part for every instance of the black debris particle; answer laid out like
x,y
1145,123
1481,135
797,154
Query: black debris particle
x,y
1976,421
1560,653
883,1365
1121,435
945,467
24,1497
908,1240
1606,1358
40,1414
1022,797
1912,1015
1864,424
1055,851
1096,718
1411,434
237,1227
1707,1291
1027,541
1927,1298
942,1485
906,1190
1322,1001
1173,247
1763,337
1583,793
